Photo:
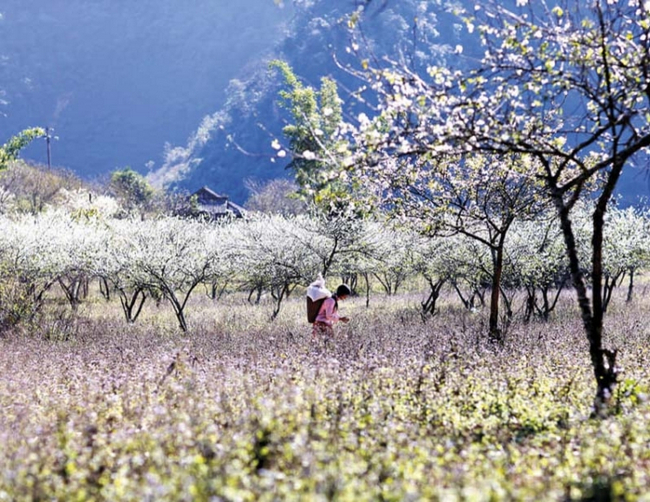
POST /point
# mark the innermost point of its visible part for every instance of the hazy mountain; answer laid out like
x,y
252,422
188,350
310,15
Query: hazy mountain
x,y
117,79
128,82
234,143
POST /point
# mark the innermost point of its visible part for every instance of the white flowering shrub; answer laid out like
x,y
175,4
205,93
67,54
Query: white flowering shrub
x,y
436,260
537,263
171,256
36,253
115,266
393,255
470,265
361,252
226,264
82,202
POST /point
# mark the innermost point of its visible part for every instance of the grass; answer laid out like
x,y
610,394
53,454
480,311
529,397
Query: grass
x,y
242,408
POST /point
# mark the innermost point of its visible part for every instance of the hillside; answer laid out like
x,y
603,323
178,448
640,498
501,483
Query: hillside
x,y
233,144
184,94
117,80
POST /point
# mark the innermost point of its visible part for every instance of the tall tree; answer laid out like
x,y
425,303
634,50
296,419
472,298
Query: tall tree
x,y
566,83
314,140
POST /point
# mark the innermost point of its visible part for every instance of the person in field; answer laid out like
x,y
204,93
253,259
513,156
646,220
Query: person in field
x,y
328,314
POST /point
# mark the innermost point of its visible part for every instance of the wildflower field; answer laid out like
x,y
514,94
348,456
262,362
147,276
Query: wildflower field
x,y
393,408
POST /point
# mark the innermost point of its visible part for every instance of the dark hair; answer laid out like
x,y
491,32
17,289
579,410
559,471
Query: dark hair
x,y
343,290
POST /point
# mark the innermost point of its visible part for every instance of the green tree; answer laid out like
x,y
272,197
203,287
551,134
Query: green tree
x,y
132,189
314,140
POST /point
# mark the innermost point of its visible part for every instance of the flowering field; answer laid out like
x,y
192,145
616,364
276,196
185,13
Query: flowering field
x,y
393,409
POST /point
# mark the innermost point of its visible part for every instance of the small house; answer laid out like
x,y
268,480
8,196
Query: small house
x,y
214,206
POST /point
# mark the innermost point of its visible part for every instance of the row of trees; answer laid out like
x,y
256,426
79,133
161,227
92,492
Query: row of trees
x,y
170,259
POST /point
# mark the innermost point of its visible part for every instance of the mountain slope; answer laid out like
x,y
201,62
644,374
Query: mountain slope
x,y
234,143
119,79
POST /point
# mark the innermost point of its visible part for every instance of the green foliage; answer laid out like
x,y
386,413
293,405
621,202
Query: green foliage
x,y
313,137
132,189
10,150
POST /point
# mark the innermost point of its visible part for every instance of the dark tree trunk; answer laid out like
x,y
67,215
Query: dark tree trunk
x,y
104,289
351,280
608,289
282,292
630,288
603,360
460,295
216,291
494,331
73,289
257,289
530,303
179,303
367,278
429,306
132,303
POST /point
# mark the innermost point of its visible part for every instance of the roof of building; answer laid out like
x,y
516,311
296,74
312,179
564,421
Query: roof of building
x,y
215,205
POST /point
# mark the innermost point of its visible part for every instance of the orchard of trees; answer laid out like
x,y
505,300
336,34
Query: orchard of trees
x,y
171,259
532,136
485,189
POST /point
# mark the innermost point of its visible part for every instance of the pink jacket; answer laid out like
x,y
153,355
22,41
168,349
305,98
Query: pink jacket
x,y
328,313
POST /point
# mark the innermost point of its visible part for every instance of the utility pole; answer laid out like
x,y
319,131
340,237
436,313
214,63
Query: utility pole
x,y
48,138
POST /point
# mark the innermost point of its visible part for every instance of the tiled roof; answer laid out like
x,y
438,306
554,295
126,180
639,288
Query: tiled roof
x,y
209,202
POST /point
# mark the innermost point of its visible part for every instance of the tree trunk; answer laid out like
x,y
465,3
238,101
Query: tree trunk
x,y
256,289
495,333
365,275
465,302
608,289
603,361
429,306
530,303
630,288
279,296
216,291
178,305
129,302
72,290
104,289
